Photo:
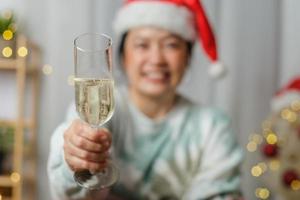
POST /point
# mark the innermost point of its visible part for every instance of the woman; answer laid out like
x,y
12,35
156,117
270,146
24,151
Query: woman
x,y
166,147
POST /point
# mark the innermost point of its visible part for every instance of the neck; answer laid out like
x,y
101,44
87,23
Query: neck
x,y
153,107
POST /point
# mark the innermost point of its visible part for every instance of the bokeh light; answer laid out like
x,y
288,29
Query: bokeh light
x,y
295,105
288,115
7,52
263,166
274,165
257,138
15,177
251,146
7,14
7,35
47,69
262,193
256,171
22,51
295,185
271,138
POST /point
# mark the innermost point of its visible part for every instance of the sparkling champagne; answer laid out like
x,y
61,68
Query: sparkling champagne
x,y
94,100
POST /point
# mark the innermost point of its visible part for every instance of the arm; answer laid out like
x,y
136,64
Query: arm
x,y
62,184
69,152
218,175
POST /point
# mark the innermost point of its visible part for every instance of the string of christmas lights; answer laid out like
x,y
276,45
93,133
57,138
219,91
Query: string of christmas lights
x,y
278,148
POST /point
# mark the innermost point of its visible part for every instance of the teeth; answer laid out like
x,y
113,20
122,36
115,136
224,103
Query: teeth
x,y
155,75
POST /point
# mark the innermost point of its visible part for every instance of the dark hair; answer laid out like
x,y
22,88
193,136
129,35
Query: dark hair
x,y
122,43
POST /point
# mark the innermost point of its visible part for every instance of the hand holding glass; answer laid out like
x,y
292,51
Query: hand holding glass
x,y
94,96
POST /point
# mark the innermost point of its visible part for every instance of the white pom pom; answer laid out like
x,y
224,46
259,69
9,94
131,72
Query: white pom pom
x,y
217,70
284,100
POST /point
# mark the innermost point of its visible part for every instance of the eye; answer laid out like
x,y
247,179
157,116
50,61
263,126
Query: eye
x,y
141,45
172,45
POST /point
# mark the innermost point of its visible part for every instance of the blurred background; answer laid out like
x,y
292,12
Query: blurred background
x,y
257,40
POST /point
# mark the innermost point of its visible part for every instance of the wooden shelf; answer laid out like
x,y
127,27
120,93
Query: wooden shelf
x,y
23,154
9,64
14,123
5,181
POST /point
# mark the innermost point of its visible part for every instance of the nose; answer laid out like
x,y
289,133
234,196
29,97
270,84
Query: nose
x,y
156,56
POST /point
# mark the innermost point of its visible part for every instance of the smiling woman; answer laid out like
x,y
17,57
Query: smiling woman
x,y
155,59
166,146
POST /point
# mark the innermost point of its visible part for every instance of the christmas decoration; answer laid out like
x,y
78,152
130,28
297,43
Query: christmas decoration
x,y
278,147
6,146
270,150
289,176
8,30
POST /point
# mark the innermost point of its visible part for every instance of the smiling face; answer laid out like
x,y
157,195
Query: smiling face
x,y
155,61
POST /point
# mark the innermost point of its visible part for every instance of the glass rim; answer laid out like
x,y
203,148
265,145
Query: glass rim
x,y
108,46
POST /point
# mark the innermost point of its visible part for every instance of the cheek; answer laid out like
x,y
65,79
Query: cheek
x,y
179,64
131,60
131,64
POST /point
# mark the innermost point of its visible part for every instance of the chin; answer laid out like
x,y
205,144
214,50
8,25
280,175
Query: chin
x,y
156,92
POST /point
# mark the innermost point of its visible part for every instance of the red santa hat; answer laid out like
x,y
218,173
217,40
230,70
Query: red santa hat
x,y
288,94
185,18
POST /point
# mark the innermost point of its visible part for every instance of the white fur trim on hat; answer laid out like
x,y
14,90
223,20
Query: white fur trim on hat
x,y
176,19
284,100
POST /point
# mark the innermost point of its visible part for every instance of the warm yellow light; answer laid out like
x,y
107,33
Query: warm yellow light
x,y
263,166
15,177
263,193
295,105
285,113
7,52
292,117
22,51
267,132
71,80
251,146
271,138
257,190
274,165
7,35
289,115
47,69
295,185
7,14
256,171
0,197
257,138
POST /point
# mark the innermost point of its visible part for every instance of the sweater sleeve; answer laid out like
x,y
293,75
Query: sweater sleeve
x,y
218,174
62,185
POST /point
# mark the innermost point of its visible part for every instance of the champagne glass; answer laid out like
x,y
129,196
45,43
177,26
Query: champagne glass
x,y
94,97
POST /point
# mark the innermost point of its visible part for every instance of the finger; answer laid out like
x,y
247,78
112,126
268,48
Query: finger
x,y
105,135
86,155
105,139
77,164
102,136
86,144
